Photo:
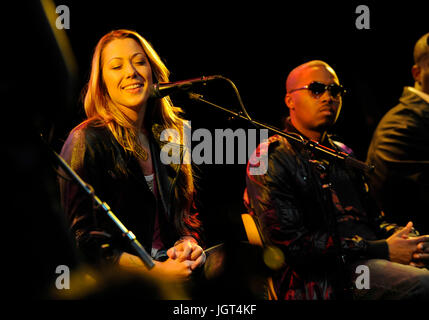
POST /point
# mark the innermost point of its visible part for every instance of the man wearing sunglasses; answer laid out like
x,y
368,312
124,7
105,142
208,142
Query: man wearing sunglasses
x,y
319,213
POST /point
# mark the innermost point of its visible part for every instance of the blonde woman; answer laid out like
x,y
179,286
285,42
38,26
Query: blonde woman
x,y
117,151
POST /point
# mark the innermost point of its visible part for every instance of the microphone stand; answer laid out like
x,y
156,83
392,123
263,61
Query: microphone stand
x,y
141,252
308,144
341,288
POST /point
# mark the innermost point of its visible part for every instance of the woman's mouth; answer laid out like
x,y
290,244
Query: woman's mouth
x,y
133,88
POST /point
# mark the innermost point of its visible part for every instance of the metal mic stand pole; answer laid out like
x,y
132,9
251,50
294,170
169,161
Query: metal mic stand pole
x,y
309,144
313,145
141,252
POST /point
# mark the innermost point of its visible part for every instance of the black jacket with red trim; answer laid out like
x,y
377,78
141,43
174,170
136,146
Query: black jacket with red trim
x,y
317,211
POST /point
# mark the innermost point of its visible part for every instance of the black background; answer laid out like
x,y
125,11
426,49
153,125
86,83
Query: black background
x,y
253,43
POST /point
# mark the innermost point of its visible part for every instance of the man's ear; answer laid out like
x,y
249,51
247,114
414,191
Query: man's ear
x,y
289,102
416,72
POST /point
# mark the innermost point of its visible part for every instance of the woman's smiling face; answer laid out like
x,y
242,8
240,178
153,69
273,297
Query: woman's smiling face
x,y
126,73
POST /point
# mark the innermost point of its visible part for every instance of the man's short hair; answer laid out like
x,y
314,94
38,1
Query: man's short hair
x,y
421,49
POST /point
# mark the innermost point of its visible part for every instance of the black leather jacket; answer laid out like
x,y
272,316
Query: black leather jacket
x,y
400,152
313,224
117,179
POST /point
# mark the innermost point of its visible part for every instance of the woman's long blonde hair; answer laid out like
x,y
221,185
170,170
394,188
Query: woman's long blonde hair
x,y
98,106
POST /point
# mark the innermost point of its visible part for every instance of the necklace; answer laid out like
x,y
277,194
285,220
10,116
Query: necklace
x,y
144,155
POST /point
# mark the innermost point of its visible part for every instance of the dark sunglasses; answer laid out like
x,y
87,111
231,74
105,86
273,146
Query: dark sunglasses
x,y
318,88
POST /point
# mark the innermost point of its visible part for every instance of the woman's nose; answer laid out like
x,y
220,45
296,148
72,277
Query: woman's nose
x,y
130,70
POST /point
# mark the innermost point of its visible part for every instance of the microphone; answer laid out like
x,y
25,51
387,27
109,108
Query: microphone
x,y
162,89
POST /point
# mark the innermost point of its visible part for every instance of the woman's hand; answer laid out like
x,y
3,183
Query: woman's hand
x,y
173,269
188,251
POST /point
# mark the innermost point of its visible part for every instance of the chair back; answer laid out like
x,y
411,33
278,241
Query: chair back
x,y
254,235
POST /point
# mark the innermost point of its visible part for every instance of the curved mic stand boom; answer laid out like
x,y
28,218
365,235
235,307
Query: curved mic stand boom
x,y
139,249
340,289
309,144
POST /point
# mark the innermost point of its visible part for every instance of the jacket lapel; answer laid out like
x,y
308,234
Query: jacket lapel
x,y
166,174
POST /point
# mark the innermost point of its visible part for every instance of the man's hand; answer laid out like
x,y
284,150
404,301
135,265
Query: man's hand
x,y
402,249
421,256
